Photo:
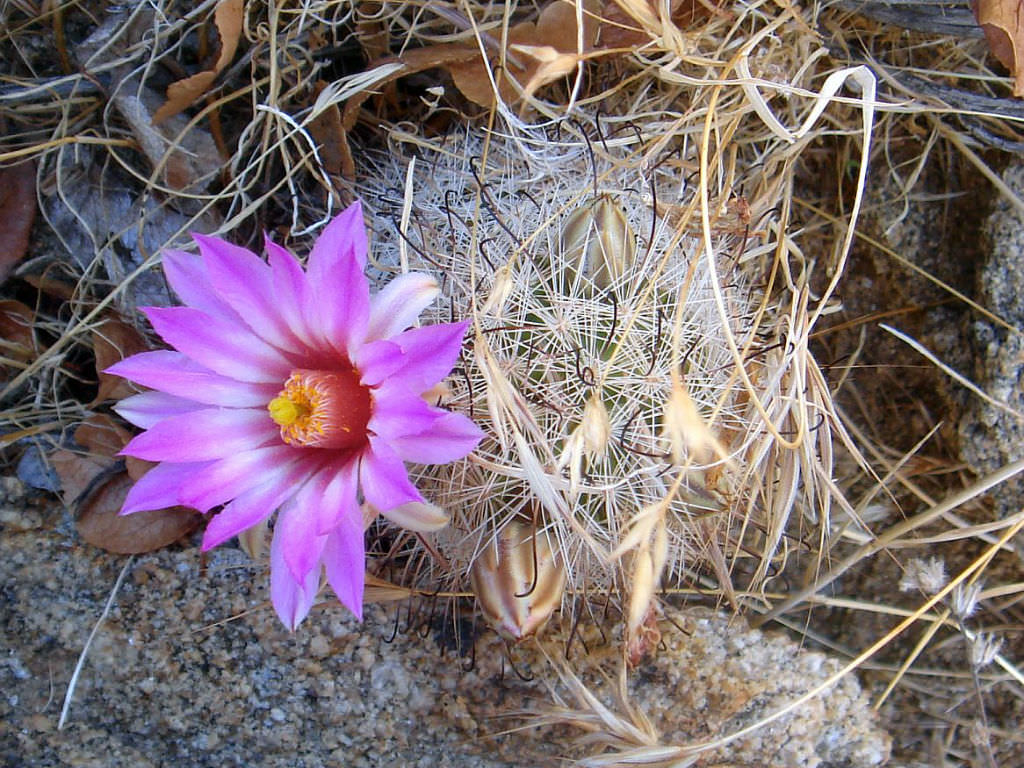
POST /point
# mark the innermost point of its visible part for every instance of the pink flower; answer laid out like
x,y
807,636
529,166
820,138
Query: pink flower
x,y
296,391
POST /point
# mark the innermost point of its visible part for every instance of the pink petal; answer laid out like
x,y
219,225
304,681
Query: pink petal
x,y
343,238
292,599
211,433
224,347
383,478
249,509
339,497
296,528
229,477
341,302
291,291
397,412
148,408
159,487
341,292
176,374
326,497
430,354
377,360
187,275
451,437
344,558
399,303
246,283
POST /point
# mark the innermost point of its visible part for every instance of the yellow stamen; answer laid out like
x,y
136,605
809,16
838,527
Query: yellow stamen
x,y
285,411
323,409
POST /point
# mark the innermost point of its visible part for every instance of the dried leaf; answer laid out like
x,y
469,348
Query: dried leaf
x,y
626,24
100,524
1003,24
80,474
472,79
416,60
186,157
328,133
555,29
17,343
180,95
113,341
136,468
540,54
102,436
17,212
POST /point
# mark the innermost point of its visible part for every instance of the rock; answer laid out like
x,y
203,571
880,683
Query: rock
x,y
990,436
192,667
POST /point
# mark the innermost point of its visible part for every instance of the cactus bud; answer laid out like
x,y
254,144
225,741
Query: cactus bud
x,y
598,240
518,581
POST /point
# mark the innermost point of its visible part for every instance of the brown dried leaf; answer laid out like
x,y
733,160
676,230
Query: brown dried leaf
x,y
52,286
182,94
327,131
136,468
1003,24
100,524
557,27
540,54
442,55
626,24
113,341
473,81
17,343
17,212
102,436
78,474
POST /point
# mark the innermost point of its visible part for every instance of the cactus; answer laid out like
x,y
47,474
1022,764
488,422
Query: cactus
x,y
596,362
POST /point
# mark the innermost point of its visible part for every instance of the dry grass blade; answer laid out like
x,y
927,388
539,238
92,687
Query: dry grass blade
x,y
647,211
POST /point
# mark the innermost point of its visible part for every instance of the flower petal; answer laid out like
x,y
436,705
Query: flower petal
x,y
399,303
430,354
224,347
231,476
292,599
159,487
339,497
325,501
383,478
186,274
295,529
451,437
422,517
249,509
377,360
291,291
344,237
245,282
148,408
397,412
341,292
176,374
344,559
212,433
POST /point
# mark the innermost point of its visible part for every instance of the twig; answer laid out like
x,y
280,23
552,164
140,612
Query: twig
x,y
85,650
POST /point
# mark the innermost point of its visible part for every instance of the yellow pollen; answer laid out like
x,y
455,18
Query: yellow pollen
x,y
285,411
323,409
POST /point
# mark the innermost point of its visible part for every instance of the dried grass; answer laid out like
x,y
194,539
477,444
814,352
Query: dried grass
x,y
720,470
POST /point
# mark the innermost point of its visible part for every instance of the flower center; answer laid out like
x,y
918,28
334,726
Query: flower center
x,y
323,409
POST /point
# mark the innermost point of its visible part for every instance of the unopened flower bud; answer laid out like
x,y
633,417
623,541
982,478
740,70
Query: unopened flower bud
x,y
598,240
518,581
595,427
